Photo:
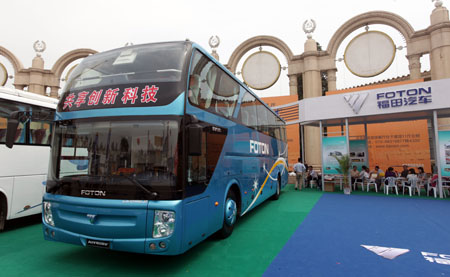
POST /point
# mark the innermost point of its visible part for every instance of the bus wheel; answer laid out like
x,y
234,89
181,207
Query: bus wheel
x,y
2,212
230,216
278,192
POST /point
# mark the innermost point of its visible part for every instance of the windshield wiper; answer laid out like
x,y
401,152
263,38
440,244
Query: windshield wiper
x,y
153,194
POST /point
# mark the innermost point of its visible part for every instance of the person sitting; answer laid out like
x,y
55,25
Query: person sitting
x,y
389,173
363,175
405,171
411,174
422,176
312,176
354,173
377,175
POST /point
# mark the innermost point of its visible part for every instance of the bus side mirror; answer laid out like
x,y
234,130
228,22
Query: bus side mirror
x,y
195,140
11,129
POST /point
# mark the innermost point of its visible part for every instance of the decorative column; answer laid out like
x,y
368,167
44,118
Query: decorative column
x,y
293,84
440,42
331,79
54,92
440,47
414,66
312,87
37,71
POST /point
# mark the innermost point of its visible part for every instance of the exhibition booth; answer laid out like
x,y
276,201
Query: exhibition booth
x,y
411,116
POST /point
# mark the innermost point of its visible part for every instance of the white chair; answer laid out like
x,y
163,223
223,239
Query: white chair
x,y
357,182
430,187
372,182
421,183
411,185
391,183
445,188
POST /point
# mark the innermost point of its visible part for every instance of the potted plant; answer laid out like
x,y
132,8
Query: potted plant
x,y
344,168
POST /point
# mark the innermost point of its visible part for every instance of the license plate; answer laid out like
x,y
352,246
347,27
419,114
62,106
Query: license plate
x,y
97,243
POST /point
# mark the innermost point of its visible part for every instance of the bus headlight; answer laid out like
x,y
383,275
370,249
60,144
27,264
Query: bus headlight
x,y
48,216
163,224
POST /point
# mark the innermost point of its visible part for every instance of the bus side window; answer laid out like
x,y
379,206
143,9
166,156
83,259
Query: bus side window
x,y
3,124
40,133
5,109
247,113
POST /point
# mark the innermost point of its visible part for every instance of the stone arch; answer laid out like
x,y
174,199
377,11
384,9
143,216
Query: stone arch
x,y
374,17
69,57
253,42
17,65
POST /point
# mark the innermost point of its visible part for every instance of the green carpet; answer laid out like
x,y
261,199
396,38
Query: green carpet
x,y
256,240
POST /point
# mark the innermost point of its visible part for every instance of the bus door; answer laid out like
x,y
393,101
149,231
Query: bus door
x,y
202,217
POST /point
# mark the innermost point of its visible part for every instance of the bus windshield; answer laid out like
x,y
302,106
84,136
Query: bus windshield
x,y
125,159
131,65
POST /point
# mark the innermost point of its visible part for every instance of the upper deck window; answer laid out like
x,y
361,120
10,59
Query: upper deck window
x,y
162,62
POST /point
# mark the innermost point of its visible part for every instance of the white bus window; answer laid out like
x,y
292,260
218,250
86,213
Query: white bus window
x,y
40,133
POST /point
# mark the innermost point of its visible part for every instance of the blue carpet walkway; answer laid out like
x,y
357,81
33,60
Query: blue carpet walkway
x,y
328,242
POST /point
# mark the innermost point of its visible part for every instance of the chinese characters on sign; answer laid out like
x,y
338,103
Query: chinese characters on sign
x,y
399,98
394,140
437,258
128,95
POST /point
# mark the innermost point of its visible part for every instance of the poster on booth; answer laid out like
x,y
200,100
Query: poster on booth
x,y
331,147
358,153
444,152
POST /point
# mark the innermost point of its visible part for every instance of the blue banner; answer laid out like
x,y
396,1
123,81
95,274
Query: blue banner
x,y
444,152
333,146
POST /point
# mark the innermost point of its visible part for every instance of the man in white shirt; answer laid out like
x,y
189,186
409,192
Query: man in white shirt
x,y
299,169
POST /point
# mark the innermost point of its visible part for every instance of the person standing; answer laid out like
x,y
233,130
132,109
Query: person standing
x,y
299,170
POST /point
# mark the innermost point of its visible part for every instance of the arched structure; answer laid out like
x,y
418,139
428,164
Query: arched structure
x,y
253,42
435,40
375,17
17,65
69,57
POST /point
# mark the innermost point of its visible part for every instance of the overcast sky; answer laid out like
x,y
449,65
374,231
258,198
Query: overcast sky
x,y
103,25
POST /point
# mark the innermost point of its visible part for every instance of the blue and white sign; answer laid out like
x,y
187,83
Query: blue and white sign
x,y
398,98
416,97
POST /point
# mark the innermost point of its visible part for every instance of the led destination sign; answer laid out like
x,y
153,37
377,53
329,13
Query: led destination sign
x,y
135,95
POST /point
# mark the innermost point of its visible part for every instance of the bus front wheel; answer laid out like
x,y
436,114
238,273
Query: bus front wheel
x,y
2,212
230,215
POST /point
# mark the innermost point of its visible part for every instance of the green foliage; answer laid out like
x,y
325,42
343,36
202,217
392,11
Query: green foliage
x,y
344,167
344,164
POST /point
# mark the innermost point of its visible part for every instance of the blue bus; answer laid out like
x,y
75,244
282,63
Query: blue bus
x,y
157,147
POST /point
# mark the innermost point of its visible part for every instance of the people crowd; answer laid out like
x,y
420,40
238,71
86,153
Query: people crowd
x,y
305,175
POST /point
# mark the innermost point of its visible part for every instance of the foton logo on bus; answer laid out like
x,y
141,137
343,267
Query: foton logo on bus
x,y
259,147
93,192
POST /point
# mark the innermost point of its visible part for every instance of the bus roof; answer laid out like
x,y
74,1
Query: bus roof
x,y
28,97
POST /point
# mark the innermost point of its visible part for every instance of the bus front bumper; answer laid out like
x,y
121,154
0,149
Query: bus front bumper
x,y
137,245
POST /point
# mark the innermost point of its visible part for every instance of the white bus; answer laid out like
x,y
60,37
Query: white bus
x,y
23,169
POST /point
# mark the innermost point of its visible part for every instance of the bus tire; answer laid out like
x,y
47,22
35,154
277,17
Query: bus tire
x,y
278,192
3,212
230,215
